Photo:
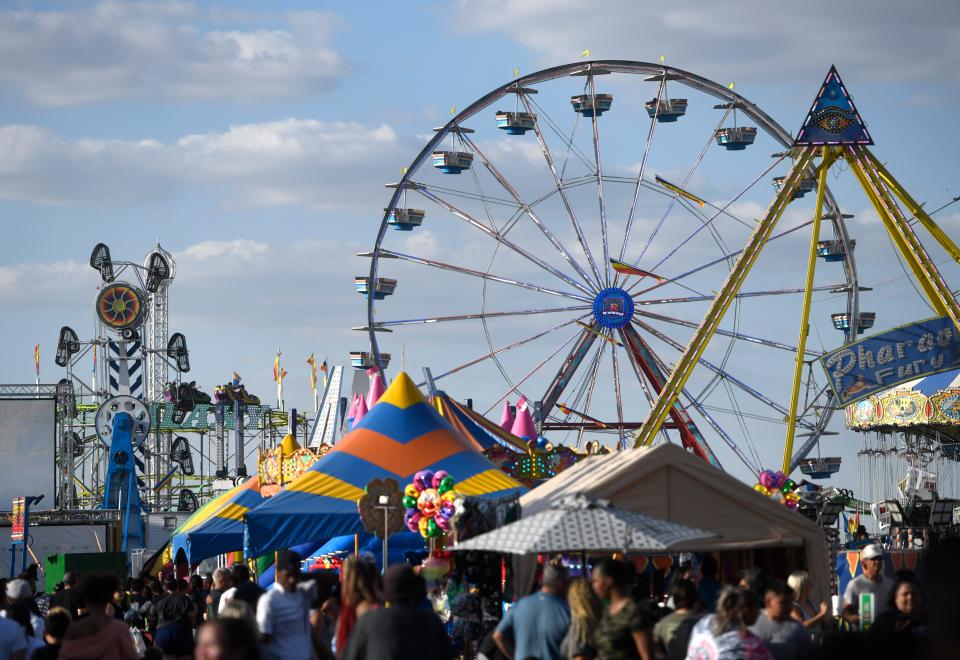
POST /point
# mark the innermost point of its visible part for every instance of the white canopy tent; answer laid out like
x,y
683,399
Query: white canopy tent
x,y
667,482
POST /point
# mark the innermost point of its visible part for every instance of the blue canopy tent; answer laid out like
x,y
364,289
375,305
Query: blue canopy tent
x,y
401,435
216,527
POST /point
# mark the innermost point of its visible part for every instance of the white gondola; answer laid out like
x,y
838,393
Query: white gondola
x,y
805,186
515,123
666,110
841,321
452,162
364,360
832,251
382,287
736,138
405,219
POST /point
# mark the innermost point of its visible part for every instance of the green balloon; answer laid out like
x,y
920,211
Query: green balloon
x,y
432,529
446,485
409,502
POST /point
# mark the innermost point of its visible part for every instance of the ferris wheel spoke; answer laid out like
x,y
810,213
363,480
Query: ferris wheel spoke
x,y
710,264
591,386
720,210
599,171
567,370
504,349
727,439
527,208
726,333
746,294
683,184
619,397
514,387
640,182
558,181
503,240
482,275
480,315
728,377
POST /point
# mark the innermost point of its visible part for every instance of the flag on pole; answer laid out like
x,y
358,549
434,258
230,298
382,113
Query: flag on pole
x,y
313,373
276,367
626,269
453,110
236,377
283,374
323,370
585,53
36,359
730,86
516,72
680,191
663,58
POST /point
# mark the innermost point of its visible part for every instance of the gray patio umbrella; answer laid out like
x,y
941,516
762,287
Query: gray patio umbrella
x,y
580,523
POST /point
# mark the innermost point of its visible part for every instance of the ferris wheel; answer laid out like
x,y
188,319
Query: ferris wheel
x,y
560,239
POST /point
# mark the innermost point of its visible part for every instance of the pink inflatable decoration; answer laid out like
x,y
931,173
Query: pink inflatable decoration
x,y
361,411
375,390
506,419
523,425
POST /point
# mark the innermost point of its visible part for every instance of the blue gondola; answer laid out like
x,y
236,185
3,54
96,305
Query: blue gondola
x,y
515,123
452,162
820,468
405,219
842,321
736,138
383,286
805,186
832,251
584,104
666,110
364,360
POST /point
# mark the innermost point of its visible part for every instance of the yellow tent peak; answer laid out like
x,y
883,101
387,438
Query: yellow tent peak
x,y
402,393
289,445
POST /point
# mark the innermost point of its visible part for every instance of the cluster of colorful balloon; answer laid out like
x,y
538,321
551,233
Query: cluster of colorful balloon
x,y
429,503
778,487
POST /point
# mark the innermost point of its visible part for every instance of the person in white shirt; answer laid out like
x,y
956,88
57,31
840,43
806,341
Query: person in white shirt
x,y
283,612
872,581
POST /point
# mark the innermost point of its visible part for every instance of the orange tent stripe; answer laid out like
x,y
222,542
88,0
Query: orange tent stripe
x,y
402,458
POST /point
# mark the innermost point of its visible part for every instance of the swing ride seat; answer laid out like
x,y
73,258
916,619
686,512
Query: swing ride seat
x,y
805,186
667,110
405,219
588,107
820,468
841,321
832,251
452,162
736,138
364,360
515,123
382,287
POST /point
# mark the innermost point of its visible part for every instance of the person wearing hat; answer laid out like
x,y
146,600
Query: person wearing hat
x,y
402,629
283,612
872,581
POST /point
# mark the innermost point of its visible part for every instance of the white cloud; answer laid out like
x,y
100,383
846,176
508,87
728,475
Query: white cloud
x,y
746,40
162,50
320,165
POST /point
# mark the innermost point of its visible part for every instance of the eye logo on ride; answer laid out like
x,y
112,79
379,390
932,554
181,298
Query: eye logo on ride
x,y
613,308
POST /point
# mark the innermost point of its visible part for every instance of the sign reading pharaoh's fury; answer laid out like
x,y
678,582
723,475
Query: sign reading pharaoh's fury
x,y
879,362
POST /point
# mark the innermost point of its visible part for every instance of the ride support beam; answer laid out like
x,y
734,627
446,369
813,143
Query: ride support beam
x,y
731,286
644,362
926,271
805,313
916,209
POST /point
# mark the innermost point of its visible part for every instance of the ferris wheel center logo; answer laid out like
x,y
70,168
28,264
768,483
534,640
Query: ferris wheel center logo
x,y
613,308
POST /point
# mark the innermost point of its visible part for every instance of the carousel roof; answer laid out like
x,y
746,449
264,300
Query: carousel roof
x,y
928,404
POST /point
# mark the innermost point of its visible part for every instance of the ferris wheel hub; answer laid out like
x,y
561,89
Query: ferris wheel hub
x,y
613,308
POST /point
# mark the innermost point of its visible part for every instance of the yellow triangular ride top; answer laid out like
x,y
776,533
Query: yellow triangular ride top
x,y
402,393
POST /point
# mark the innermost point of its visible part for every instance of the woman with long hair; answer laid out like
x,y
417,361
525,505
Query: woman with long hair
x,y
904,616
725,635
585,611
812,618
359,593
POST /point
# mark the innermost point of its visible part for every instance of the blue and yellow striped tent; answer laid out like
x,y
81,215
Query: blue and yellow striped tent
x,y
217,526
401,435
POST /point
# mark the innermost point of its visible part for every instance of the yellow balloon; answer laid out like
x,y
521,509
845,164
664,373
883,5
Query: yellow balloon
x,y
449,496
411,491
423,527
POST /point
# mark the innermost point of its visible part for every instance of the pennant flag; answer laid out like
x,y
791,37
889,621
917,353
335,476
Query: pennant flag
x,y
313,373
585,53
323,370
404,169
602,336
453,110
730,86
516,72
283,374
276,368
833,118
94,358
36,358
627,269
236,377
663,58
680,191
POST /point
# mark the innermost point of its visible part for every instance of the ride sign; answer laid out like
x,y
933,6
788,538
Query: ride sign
x,y
17,521
879,362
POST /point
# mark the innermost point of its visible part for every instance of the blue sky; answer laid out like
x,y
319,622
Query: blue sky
x,y
254,143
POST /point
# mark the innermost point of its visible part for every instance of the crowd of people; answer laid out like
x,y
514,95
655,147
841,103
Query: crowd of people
x,y
359,615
